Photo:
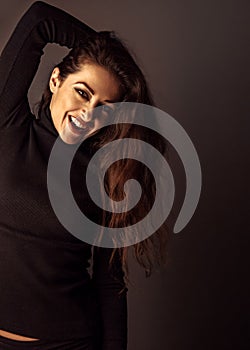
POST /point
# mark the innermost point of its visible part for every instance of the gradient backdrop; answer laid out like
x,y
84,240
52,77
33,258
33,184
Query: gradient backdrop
x,y
195,55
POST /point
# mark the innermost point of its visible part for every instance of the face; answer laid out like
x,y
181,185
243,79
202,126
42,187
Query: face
x,y
74,100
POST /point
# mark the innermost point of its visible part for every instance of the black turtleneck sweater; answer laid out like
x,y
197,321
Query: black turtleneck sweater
x,y
46,291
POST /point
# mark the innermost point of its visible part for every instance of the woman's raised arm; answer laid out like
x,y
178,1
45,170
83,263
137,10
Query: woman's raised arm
x,y
19,61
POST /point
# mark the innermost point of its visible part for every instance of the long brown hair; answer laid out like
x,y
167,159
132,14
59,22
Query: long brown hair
x,y
106,50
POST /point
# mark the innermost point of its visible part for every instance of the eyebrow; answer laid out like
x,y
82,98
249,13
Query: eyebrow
x,y
92,91
87,86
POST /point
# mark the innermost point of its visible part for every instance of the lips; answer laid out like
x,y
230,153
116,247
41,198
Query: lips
x,y
76,129
77,122
77,126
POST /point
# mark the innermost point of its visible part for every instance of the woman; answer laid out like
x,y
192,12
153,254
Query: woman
x,y
48,299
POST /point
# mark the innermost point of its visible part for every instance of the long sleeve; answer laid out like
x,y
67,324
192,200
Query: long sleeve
x,y
112,296
19,61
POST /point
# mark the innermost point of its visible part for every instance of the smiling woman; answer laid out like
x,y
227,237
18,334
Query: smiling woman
x,y
87,89
49,299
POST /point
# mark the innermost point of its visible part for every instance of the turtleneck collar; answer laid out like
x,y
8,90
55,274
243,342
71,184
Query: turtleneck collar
x,y
45,120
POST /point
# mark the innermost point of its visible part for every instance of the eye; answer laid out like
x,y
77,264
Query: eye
x,y
107,109
82,93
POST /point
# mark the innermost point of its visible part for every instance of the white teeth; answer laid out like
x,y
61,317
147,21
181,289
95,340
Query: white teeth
x,y
77,123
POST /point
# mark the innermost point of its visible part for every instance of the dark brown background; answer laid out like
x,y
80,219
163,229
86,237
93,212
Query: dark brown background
x,y
195,55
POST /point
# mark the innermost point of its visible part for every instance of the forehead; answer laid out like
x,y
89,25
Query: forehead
x,y
103,83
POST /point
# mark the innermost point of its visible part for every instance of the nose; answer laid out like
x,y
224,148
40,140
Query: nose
x,y
86,115
88,112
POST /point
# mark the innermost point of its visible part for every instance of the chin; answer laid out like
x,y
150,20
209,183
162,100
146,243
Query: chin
x,y
71,140
73,137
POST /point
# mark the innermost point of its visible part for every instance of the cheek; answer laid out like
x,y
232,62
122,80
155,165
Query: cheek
x,y
70,103
59,106
63,103
101,121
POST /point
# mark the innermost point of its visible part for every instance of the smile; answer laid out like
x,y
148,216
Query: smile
x,y
77,123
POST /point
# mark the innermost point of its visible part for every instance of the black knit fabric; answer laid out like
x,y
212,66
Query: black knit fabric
x,y
45,291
